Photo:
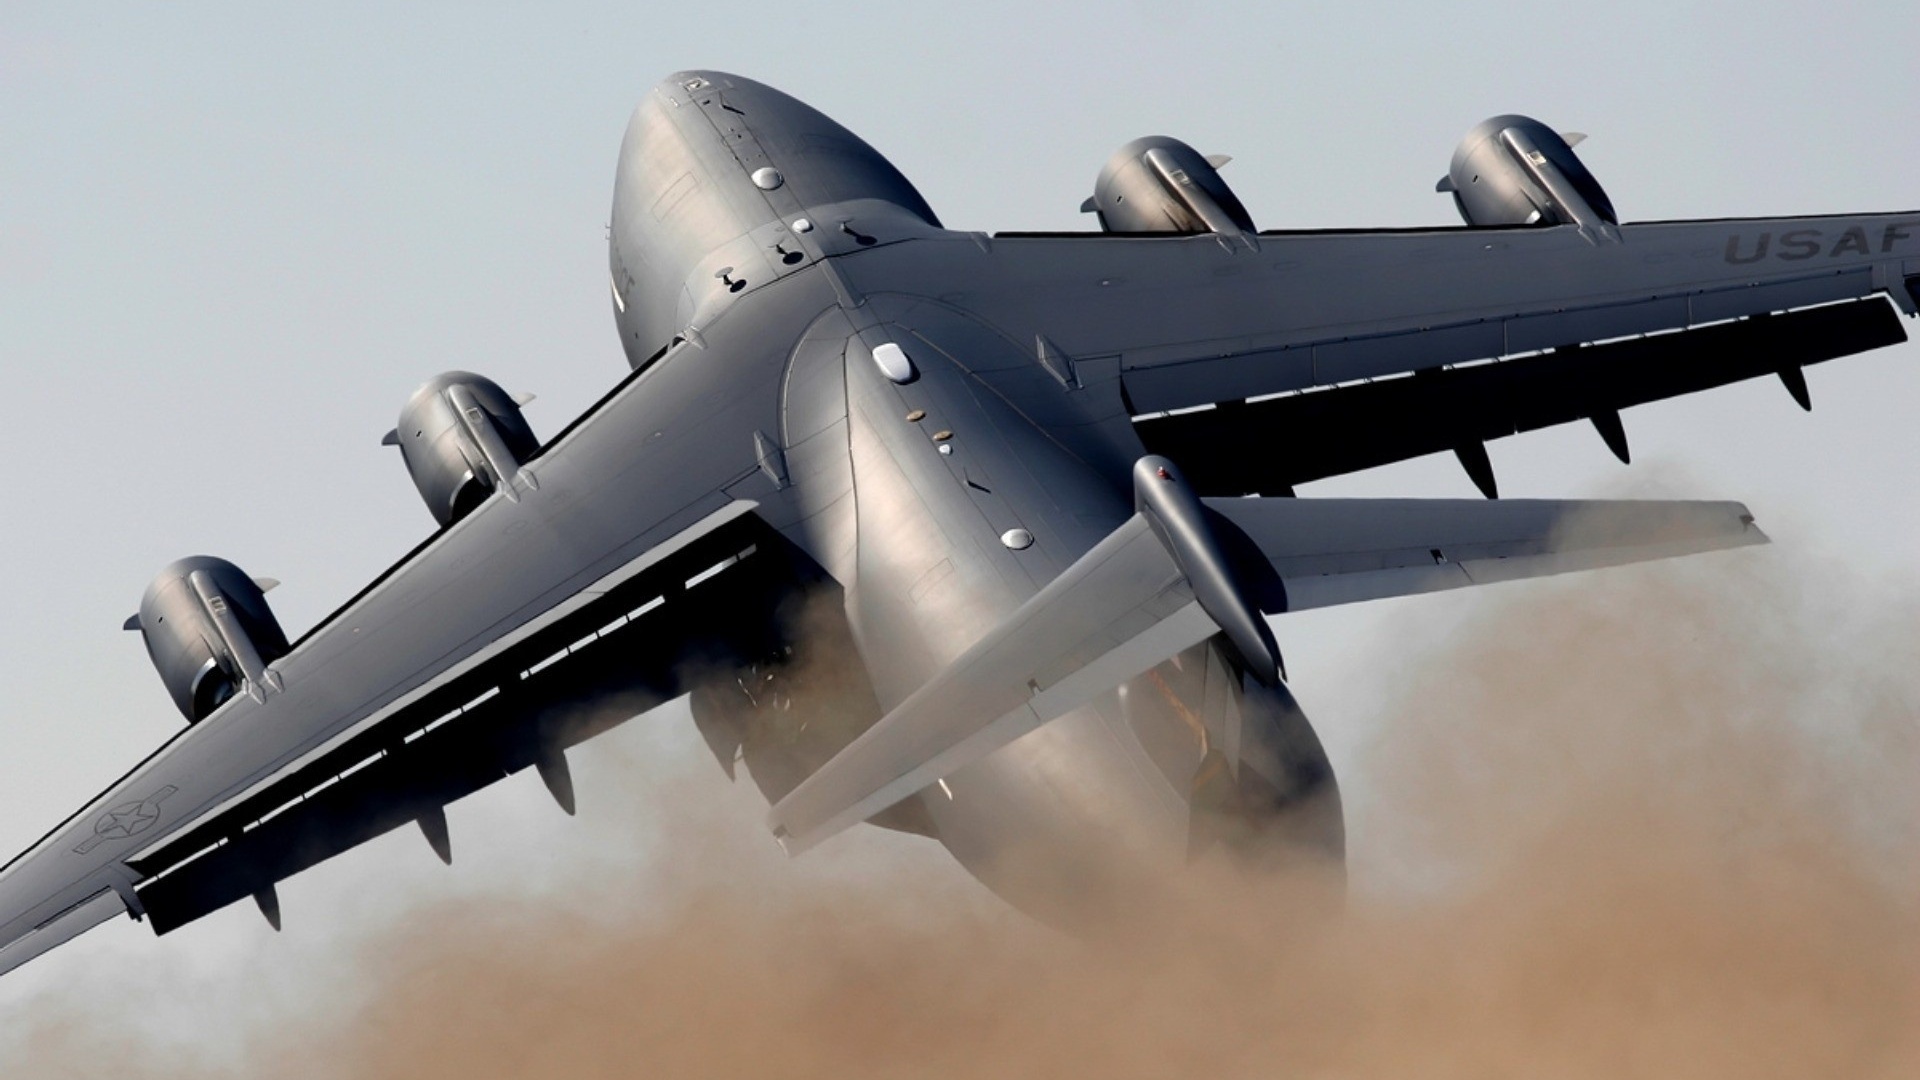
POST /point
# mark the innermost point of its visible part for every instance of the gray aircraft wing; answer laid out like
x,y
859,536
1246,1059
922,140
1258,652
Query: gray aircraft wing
x,y
1142,595
526,626
1260,362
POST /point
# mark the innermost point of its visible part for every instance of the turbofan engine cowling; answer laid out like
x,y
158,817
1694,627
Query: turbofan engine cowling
x,y
210,633
463,438
1514,170
1162,185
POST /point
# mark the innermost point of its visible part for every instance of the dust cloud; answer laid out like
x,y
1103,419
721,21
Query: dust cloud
x,y
1658,822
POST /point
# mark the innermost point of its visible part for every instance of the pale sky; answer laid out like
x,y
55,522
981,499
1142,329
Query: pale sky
x,y
234,237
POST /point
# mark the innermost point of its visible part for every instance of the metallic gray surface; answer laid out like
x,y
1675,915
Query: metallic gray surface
x,y
210,633
1173,511
1162,185
1514,170
751,310
462,438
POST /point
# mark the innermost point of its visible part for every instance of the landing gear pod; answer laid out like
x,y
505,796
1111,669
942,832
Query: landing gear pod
x,y
1162,185
210,633
1514,170
463,438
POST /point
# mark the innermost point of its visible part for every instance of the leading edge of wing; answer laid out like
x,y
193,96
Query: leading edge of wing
x,y
1422,230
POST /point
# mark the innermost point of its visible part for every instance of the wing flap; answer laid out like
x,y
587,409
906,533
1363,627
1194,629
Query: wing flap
x,y
1267,447
1342,551
609,660
1119,610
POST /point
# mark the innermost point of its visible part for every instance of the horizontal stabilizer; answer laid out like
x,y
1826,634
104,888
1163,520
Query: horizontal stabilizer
x,y
1122,608
1163,582
1341,551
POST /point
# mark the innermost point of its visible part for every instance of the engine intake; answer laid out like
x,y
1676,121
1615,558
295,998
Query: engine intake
x,y
463,438
1514,170
1162,185
210,633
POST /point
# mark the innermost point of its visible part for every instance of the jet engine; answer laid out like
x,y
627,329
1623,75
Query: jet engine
x,y
463,438
1162,185
210,633
1514,170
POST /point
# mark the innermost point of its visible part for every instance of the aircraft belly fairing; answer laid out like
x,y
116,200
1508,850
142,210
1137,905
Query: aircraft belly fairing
x,y
931,523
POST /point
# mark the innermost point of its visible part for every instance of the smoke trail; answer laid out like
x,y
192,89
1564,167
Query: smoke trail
x,y
1662,822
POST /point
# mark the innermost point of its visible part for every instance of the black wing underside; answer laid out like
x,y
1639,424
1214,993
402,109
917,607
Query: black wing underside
x,y
1266,447
630,650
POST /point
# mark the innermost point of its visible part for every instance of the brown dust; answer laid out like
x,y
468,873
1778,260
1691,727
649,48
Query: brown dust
x,y
1659,822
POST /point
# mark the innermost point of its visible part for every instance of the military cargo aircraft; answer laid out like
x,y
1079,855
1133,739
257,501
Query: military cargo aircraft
x,y
971,535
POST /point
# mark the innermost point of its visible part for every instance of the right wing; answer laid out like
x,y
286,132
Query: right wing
x,y
1264,362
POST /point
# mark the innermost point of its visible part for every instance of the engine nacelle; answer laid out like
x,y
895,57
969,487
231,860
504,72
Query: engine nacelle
x,y
1514,170
1162,185
210,633
463,438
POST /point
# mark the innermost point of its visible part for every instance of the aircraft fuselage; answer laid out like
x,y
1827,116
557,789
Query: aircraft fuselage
x,y
936,506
